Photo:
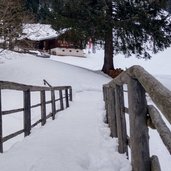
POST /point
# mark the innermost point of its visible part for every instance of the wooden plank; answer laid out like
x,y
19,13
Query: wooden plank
x,y
1,135
70,94
36,105
45,82
160,95
120,118
112,112
107,105
6,138
104,94
49,101
121,79
161,127
57,99
66,98
23,87
139,138
53,104
27,113
61,100
7,112
155,165
43,107
49,115
36,123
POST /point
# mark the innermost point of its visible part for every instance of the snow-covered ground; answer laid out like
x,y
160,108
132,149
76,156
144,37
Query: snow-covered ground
x,y
78,139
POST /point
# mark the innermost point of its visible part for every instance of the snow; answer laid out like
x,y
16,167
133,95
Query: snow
x,y
78,139
38,32
64,144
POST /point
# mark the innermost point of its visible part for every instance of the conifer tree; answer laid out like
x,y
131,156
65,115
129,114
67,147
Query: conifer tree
x,y
39,8
33,5
169,6
128,27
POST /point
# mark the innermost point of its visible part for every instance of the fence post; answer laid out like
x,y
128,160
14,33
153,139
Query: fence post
x,y
61,100
112,111
139,140
155,165
27,113
105,98
1,142
120,118
66,97
43,107
53,104
70,94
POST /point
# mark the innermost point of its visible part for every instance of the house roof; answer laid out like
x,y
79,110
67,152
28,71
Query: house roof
x,y
38,32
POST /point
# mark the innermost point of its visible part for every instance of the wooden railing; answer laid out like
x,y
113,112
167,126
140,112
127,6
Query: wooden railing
x,y
64,96
138,84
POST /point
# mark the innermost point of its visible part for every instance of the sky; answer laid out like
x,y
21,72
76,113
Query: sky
x,y
78,139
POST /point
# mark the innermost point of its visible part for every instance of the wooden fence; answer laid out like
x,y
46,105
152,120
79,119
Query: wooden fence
x,y
139,84
64,96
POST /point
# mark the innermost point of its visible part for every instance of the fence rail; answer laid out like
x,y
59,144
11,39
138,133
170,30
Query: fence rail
x,y
141,115
65,95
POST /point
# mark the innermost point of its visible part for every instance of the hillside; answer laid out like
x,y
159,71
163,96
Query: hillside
x,y
78,139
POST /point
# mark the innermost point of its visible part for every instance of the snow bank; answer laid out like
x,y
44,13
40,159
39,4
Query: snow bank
x,y
29,69
78,139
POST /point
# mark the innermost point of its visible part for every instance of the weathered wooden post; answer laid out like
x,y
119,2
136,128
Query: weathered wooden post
x,y
61,100
108,106
112,111
120,118
27,113
43,107
139,139
155,165
105,98
104,94
53,104
70,94
1,142
66,97
109,99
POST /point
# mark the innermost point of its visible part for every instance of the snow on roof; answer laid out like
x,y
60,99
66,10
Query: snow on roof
x,y
39,32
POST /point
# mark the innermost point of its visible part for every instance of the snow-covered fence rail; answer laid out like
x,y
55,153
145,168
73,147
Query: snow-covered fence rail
x,y
64,96
141,115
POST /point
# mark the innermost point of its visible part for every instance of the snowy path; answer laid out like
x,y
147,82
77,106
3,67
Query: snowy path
x,y
63,144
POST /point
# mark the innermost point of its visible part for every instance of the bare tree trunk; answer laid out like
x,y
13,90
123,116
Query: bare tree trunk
x,y
108,53
108,49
